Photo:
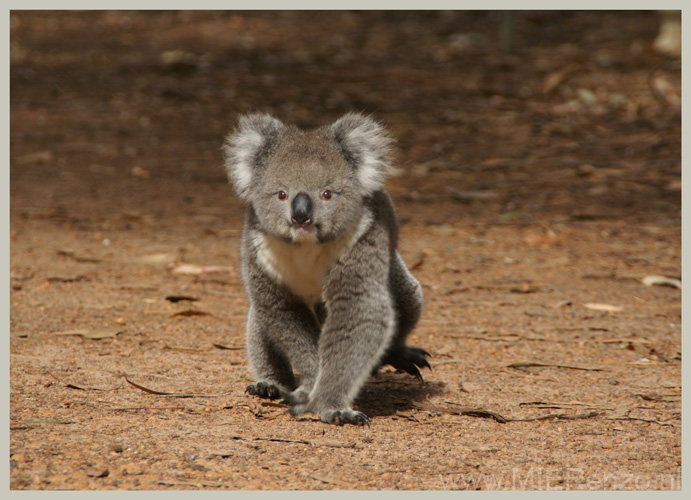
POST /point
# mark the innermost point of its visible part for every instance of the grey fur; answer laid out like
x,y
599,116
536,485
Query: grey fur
x,y
330,297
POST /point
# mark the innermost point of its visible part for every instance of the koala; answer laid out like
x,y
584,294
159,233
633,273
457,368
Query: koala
x,y
329,295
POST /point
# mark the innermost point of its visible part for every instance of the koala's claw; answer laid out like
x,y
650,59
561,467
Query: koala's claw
x,y
340,417
264,390
408,359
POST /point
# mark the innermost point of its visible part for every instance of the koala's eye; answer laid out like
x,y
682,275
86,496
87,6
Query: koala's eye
x,y
326,195
282,195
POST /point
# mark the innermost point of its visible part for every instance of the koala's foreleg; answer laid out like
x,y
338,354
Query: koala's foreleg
x,y
357,330
280,334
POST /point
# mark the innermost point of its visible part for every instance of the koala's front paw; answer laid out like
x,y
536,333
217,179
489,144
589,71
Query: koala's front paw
x,y
334,417
264,390
297,397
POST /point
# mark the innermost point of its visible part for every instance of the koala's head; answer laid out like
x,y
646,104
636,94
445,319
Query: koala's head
x,y
307,185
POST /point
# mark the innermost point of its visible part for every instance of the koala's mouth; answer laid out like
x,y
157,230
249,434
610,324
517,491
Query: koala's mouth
x,y
302,232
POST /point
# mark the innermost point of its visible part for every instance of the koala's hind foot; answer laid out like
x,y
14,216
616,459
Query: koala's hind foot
x,y
340,417
407,359
264,390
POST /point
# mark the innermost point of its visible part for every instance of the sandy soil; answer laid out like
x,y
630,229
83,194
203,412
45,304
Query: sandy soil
x,y
537,189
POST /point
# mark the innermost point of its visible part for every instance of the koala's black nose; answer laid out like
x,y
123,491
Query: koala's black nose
x,y
302,210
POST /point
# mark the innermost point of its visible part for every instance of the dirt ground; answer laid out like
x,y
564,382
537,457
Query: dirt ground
x,y
538,187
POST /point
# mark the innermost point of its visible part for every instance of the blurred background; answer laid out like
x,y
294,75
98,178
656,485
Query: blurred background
x,y
504,116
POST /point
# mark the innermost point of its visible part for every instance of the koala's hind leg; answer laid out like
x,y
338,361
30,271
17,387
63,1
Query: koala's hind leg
x,y
408,304
407,359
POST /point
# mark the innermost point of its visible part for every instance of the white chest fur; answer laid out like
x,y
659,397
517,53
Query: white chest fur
x,y
302,267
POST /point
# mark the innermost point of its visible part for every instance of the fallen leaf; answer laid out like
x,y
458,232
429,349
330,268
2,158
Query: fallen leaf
x,y
68,279
228,347
270,404
73,386
472,195
665,91
324,479
556,78
549,404
136,286
545,238
139,173
37,157
93,334
462,410
527,364
169,394
178,298
195,269
178,57
73,255
142,388
497,163
192,312
524,289
133,470
588,170
623,341
254,407
184,348
408,415
97,472
280,440
155,258
674,185
661,280
419,263
603,307
330,443
560,416
194,485
586,96
33,422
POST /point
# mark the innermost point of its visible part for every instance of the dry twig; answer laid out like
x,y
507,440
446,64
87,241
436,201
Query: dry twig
x,y
462,410
527,364
169,394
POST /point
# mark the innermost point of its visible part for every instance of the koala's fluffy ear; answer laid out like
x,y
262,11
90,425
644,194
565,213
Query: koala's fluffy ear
x,y
366,146
247,147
